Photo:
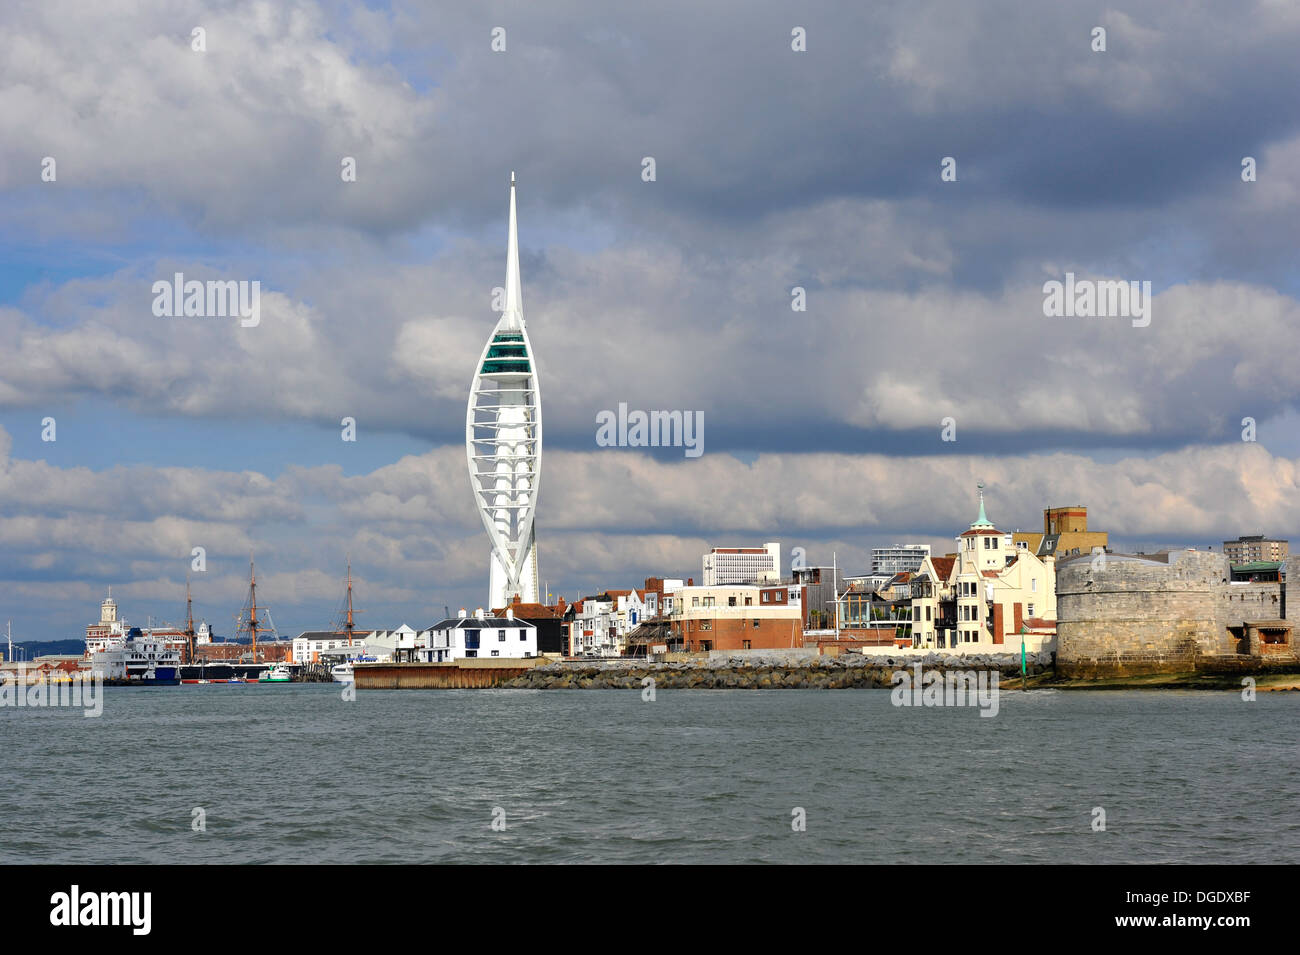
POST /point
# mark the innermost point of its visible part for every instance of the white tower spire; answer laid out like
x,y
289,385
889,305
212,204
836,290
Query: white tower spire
x,y
503,441
514,314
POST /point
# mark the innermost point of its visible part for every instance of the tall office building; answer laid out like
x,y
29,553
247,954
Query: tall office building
x,y
741,565
899,558
503,442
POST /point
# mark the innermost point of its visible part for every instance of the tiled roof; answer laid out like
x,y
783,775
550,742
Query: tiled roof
x,y
528,611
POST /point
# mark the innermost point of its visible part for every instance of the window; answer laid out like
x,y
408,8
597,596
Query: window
x,y
1031,610
927,613
755,623
706,624
523,634
496,653
749,601
1033,584
744,645
765,596
501,637
471,641
731,601
471,653
695,601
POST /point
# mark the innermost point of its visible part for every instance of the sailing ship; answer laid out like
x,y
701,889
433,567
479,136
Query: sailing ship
x,y
345,624
248,622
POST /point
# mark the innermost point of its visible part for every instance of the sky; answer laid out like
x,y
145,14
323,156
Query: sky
x,y
775,169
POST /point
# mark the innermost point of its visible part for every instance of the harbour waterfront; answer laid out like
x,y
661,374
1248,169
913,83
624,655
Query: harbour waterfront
x,y
296,774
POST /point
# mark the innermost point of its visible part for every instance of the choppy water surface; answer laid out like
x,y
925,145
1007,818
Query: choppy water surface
x,y
296,774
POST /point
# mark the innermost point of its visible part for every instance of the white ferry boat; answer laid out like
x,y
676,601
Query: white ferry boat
x,y
144,660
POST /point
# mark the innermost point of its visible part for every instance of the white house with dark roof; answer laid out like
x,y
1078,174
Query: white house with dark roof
x,y
480,635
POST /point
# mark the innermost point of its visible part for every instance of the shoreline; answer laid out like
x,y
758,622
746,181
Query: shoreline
x,y
858,671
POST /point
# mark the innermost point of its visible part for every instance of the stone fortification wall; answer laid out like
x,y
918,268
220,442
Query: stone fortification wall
x,y
1132,614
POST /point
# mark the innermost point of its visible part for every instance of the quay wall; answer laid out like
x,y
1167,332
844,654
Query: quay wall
x,y
461,675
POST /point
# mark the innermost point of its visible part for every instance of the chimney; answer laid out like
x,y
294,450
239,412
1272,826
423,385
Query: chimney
x,y
690,581
518,600
510,611
462,613
478,613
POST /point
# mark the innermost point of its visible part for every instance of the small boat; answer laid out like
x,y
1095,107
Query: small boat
x,y
342,673
277,674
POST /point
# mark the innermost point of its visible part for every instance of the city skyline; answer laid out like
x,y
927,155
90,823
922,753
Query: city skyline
x,y
922,297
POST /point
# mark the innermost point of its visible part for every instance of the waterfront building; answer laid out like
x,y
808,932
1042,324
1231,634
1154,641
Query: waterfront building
x,y
998,588
736,617
479,636
817,588
310,644
503,441
665,589
401,644
110,632
934,601
549,621
1065,534
741,565
898,558
594,630
1246,550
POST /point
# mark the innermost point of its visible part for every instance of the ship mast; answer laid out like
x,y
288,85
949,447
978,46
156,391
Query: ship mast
x,y
348,626
189,621
253,627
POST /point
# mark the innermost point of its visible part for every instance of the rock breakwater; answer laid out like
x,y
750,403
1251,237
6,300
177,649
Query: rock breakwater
x,y
847,671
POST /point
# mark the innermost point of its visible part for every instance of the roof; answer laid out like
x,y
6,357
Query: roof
x,y
529,611
1257,565
943,566
461,623
329,634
